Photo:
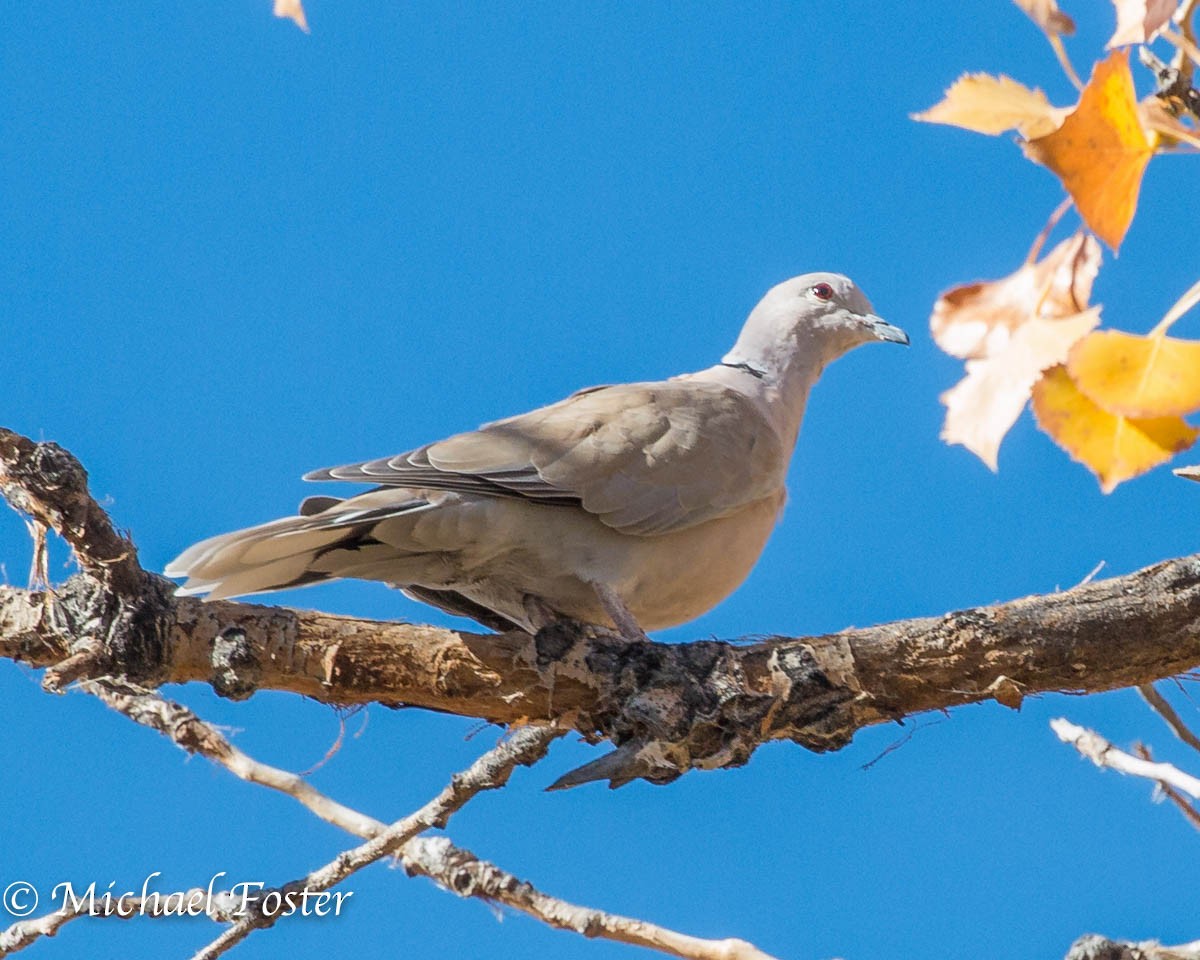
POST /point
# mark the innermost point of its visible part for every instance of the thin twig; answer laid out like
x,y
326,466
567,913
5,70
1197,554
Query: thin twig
x,y
1040,240
194,735
1185,303
1188,56
1190,813
220,907
461,872
1158,703
1060,51
489,772
1103,754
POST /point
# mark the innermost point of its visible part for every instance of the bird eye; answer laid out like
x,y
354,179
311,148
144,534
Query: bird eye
x,y
822,291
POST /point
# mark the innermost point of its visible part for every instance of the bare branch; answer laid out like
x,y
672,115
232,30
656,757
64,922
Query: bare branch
x,y
1158,703
437,859
1095,947
1190,813
489,772
1104,754
461,872
48,484
219,907
194,735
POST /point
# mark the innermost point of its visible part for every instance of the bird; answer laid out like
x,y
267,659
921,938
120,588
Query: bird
x,y
630,507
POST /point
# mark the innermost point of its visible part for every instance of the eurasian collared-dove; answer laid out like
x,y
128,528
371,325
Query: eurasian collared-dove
x,y
639,505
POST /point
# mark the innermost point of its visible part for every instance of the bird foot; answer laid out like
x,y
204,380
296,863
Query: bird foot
x,y
621,616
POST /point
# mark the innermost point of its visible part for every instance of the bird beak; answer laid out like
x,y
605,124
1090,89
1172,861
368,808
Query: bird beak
x,y
882,330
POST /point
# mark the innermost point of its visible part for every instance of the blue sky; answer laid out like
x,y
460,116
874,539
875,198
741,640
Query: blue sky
x,y
233,253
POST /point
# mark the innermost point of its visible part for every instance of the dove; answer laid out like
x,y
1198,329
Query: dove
x,y
632,507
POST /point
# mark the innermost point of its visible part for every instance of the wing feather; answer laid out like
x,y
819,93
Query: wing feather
x,y
645,458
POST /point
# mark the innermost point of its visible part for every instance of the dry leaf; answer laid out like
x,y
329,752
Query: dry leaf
x,y
987,104
1135,376
1113,447
977,320
1162,126
1139,21
1100,152
981,408
1045,14
292,10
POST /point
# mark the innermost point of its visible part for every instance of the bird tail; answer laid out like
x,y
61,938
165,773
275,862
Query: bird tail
x,y
271,556
330,539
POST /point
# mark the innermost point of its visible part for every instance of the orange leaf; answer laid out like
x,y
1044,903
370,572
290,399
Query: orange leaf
x,y
292,10
1139,21
1100,152
1113,447
1151,376
987,104
978,319
982,407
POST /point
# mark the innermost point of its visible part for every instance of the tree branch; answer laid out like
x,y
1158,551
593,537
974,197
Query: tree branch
x,y
1103,754
1095,947
461,872
667,708
457,870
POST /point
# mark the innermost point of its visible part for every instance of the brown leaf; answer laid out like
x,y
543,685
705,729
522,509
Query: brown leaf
x,y
1113,447
987,104
1100,152
292,10
1139,21
977,320
981,408
1045,14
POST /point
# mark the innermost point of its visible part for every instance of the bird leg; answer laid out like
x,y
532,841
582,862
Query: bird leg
x,y
621,616
538,612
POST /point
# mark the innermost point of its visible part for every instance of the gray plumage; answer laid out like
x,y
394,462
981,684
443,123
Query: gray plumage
x,y
646,502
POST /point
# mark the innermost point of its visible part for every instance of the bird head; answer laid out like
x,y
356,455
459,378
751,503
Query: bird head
x,y
827,308
805,323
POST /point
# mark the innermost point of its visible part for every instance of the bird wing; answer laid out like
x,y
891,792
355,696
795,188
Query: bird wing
x,y
645,458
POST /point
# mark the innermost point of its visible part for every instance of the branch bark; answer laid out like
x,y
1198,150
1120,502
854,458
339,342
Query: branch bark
x,y
666,708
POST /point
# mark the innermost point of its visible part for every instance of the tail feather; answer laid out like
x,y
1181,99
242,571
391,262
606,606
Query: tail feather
x,y
269,576
296,551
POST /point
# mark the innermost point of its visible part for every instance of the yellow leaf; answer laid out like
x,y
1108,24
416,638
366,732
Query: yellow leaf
x,y
982,407
292,10
1100,152
1113,447
977,320
1151,376
1045,14
987,104
1139,21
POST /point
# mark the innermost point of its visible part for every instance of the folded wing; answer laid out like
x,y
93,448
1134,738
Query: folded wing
x,y
645,458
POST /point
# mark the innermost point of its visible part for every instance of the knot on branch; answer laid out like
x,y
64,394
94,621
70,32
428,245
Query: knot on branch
x,y
113,616
236,670
708,704
106,632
